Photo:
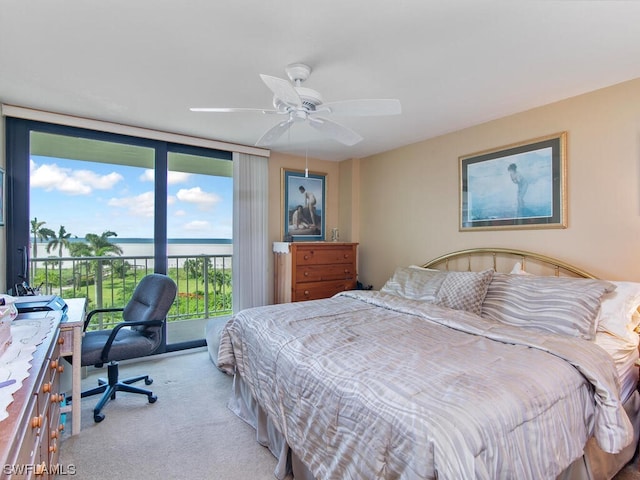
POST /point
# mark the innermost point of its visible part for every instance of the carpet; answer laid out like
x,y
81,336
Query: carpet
x,y
189,433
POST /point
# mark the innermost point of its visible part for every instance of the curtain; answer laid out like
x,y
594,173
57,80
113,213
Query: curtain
x,y
250,223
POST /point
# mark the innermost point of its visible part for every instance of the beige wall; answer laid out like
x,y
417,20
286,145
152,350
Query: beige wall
x,y
408,210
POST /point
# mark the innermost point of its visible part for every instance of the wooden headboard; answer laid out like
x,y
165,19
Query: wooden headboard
x,y
503,260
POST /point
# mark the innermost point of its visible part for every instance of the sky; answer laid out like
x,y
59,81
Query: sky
x,y
91,197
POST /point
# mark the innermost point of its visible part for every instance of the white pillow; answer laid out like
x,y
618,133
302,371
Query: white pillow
x,y
619,311
517,270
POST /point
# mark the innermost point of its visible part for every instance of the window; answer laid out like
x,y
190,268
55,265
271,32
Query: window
x,y
91,211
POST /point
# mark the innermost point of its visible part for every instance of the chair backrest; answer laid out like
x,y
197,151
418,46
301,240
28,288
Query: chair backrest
x,y
151,300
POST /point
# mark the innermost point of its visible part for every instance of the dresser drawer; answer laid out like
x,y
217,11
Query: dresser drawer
x,y
325,255
318,273
318,290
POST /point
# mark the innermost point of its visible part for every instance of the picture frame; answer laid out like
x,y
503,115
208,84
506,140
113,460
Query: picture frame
x,y
517,186
303,205
2,200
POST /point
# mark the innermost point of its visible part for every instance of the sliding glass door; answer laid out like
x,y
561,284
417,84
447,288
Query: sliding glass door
x,y
90,213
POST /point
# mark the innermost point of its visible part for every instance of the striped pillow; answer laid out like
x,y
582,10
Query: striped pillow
x,y
415,283
457,290
567,306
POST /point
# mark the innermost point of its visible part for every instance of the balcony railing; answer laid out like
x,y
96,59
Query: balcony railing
x,y
204,282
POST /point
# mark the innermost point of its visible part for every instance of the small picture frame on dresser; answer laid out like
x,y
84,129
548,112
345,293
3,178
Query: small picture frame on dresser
x,y
303,205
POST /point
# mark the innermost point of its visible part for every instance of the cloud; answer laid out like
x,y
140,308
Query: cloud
x,y
173,178
72,182
140,205
204,200
196,226
147,176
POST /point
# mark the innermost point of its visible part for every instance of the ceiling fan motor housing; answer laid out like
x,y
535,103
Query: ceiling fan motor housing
x,y
310,100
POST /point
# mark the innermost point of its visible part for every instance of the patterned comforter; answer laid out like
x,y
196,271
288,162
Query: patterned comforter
x,y
367,385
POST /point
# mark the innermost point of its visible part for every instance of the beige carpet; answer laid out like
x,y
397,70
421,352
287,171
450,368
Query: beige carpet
x,y
187,434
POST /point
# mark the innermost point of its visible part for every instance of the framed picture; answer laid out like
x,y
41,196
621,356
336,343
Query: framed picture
x,y
516,186
303,205
1,196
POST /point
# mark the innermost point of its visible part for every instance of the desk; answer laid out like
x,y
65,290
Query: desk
x,y
71,334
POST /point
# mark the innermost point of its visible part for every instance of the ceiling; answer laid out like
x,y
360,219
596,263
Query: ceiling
x,y
451,63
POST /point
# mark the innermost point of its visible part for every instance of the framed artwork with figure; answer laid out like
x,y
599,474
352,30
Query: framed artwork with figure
x,y
303,205
517,186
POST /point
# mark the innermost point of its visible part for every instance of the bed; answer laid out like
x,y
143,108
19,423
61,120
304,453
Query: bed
x,y
483,363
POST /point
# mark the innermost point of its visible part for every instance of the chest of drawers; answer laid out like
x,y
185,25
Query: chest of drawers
x,y
30,435
313,270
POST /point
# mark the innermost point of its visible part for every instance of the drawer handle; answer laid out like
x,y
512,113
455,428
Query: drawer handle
x,y
46,388
36,422
306,257
306,274
54,364
306,292
60,340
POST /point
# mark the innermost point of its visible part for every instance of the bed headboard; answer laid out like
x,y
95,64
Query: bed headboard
x,y
504,260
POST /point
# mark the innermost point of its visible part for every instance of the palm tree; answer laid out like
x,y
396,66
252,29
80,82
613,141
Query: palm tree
x,y
60,241
39,234
100,244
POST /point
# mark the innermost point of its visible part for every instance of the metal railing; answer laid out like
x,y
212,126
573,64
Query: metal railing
x,y
203,281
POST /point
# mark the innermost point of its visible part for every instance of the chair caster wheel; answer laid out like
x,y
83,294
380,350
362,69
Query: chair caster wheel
x,y
152,399
148,381
98,417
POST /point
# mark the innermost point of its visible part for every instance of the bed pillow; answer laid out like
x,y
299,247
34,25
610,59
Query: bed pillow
x,y
415,283
618,313
518,270
563,305
464,290
457,290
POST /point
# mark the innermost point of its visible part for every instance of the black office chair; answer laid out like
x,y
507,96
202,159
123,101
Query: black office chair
x,y
145,315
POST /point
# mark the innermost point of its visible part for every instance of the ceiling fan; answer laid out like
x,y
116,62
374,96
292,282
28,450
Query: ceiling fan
x,y
301,104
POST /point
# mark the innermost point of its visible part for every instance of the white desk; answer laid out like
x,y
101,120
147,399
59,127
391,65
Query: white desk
x,y
71,335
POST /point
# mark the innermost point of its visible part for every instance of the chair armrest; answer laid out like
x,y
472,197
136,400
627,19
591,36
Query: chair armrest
x,y
90,315
107,346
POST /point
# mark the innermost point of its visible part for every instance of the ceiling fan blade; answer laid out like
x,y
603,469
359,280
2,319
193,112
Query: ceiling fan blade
x,y
334,130
283,90
230,109
274,133
362,108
